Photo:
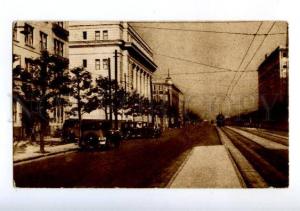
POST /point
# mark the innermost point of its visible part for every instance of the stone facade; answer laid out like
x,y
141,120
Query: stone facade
x,y
29,39
172,96
273,79
92,43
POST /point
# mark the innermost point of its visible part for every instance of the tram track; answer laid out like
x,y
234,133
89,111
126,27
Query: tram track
x,y
271,164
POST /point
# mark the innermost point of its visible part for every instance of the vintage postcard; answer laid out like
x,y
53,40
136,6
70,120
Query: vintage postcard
x,y
107,104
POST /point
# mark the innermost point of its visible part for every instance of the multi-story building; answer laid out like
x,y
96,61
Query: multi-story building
x,y
173,98
29,39
93,44
273,85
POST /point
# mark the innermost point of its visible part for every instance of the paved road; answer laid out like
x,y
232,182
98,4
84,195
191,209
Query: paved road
x,y
271,163
137,163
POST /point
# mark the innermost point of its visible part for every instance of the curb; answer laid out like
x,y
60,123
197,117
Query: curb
x,y
239,175
189,152
42,156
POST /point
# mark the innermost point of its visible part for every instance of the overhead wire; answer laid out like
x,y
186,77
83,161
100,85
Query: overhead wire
x,y
195,62
255,53
206,31
243,59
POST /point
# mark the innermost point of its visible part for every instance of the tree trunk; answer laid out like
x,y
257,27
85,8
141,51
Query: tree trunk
x,y
79,117
42,131
106,114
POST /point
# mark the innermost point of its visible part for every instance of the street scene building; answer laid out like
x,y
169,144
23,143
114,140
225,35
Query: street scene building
x,y
30,38
168,93
93,45
99,96
272,111
273,86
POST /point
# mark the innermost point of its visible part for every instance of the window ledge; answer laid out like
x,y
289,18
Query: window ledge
x,y
30,46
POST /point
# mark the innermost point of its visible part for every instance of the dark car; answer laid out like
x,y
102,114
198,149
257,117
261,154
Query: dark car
x,y
127,129
140,130
153,131
70,131
94,134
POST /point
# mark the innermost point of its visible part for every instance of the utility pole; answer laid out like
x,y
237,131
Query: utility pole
x,y
116,88
109,90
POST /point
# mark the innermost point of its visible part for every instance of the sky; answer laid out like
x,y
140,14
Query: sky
x,y
216,71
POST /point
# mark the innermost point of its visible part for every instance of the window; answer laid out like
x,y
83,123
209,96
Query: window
x,y
284,54
28,64
97,64
15,32
97,35
84,35
14,111
105,64
84,63
16,59
28,31
58,47
105,35
60,23
58,114
43,41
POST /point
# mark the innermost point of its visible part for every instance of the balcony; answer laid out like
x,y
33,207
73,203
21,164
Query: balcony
x,y
60,31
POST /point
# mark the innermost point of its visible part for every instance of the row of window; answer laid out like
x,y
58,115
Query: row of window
x,y
97,35
28,34
97,64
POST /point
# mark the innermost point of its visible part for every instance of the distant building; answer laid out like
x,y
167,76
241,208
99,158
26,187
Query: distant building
x,y
29,39
172,96
92,43
273,85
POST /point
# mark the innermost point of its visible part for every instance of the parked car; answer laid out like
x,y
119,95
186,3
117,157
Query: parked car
x,y
94,134
127,129
153,131
140,130
70,130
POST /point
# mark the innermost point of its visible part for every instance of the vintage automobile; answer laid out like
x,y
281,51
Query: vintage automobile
x,y
127,129
140,130
94,134
153,131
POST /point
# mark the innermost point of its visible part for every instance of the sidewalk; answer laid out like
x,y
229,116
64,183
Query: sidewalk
x,y
24,150
207,167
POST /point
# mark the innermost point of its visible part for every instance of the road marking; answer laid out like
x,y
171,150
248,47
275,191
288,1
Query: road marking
x,y
244,165
269,144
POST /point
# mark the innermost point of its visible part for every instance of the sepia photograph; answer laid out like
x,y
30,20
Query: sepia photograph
x,y
150,104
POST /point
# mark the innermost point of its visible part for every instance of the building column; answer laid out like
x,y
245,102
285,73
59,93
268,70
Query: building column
x,y
146,85
133,76
138,80
149,87
124,64
143,83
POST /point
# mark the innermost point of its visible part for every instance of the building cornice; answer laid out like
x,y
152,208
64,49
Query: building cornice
x,y
133,50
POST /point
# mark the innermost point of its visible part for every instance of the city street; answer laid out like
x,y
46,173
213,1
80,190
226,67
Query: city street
x,y
207,111
138,163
